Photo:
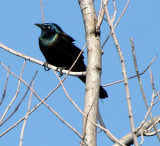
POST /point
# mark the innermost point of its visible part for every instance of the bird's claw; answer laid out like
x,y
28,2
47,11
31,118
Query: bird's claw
x,y
46,66
60,72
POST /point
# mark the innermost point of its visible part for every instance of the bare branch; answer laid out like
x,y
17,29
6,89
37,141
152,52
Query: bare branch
x,y
137,72
142,91
143,72
100,17
107,132
18,86
5,87
35,107
116,22
42,101
148,112
40,62
25,120
153,97
70,99
148,132
124,74
103,128
128,139
115,12
20,101
122,14
42,11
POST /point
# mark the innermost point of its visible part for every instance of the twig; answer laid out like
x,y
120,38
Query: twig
x,y
5,87
31,88
152,82
134,75
128,139
148,112
42,101
124,74
40,62
35,107
25,120
150,133
55,113
157,100
137,72
122,14
114,16
142,137
150,130
78,107
108,133
100,17
70,99
42,11
20,100
115,12
153,88
142,91
62,120
116,22
18,86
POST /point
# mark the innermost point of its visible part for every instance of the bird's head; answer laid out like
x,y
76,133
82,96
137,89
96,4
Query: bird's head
x,y
49,28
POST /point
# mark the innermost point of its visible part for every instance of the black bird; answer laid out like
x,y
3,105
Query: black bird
x,y
59,50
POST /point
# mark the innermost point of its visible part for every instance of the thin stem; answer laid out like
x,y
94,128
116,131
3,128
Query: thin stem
x,y
25,120
124,74
42,11
14,98
5,87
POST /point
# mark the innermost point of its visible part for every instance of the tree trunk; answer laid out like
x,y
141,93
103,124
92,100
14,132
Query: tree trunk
x,y
93,72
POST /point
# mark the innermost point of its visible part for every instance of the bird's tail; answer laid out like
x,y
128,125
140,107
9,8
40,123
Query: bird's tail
x,y
103,93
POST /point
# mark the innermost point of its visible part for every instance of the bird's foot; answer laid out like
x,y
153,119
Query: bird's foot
x,y
46,66
60,70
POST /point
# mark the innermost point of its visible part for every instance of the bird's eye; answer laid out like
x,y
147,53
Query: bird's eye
x,y
49,27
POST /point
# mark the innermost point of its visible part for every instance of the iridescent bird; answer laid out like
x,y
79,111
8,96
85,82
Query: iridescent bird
x,y
59,50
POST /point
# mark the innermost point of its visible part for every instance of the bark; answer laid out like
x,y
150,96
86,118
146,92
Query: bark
x,y
128,139
93,72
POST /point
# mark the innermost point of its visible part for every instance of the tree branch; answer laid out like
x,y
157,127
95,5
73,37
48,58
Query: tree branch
x,y
128,98
128,139
40,62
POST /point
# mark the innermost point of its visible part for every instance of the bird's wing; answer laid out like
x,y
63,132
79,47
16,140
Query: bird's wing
x,y
66,37
69,42
71,50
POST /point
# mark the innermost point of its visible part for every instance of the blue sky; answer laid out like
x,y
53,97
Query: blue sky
x,y
17,31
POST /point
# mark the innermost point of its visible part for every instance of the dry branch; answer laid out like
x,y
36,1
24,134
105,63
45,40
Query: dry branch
x,y
40,62
16,108
123,72
14,98
141,87
143,72
25,120
128,139
5,88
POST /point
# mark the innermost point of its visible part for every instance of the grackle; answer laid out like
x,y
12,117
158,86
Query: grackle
x,y
59,50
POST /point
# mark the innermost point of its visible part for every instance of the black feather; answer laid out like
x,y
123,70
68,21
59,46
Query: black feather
x,y
59,50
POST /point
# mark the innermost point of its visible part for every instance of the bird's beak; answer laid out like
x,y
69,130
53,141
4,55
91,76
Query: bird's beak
x,y
39,25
